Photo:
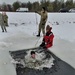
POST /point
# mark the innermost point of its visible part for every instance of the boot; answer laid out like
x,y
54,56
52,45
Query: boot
x,y
38,35
2,30
43,44
5,30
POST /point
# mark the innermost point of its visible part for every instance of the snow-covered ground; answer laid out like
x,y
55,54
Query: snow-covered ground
x,y
21,35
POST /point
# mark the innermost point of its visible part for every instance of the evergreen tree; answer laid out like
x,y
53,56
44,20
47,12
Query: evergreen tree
x,y
16,5
29,5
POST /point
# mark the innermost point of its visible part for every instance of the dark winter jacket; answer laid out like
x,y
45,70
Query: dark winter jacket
x,y
44,17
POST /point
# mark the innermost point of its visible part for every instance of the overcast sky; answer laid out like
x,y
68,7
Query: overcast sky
x,y
12,1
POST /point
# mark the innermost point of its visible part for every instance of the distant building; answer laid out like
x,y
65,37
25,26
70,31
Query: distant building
x,y
22,10
72,10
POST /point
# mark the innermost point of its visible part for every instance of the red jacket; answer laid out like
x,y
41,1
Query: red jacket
x,y
48,39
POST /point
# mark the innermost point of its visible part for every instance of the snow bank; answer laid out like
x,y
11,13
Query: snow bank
x,y
6,67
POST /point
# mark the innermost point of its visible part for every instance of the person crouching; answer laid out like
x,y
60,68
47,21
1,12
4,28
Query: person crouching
x,y
48,38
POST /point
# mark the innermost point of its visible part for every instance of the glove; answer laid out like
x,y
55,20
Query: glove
x,y
43,44
45,47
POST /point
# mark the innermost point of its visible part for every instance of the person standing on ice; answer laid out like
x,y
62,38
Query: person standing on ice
x,y
3,27
5,18
44,16
48,38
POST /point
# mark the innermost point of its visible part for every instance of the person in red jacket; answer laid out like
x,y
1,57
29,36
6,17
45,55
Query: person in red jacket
x,y
48,38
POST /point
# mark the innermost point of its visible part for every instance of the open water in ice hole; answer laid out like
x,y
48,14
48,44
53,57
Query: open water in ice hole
x,y
59,68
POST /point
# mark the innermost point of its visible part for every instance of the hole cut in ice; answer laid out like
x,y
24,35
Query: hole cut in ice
x,y
43,58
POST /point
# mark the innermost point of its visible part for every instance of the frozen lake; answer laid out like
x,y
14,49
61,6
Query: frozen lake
x,y
21,35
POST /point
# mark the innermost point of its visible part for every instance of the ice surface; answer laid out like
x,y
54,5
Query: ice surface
x,y
21,35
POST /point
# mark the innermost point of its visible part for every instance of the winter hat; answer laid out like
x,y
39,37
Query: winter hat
x,y
48,28
4,13
44,8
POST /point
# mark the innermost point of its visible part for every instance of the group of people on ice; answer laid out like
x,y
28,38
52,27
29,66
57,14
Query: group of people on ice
x,y
48,36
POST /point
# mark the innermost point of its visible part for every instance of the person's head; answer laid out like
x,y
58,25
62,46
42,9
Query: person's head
x,y
32,54
43,9
48,28
4,13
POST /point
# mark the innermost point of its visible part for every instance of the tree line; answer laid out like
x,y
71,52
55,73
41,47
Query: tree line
x,y
51,6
